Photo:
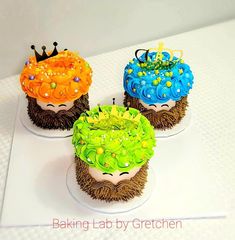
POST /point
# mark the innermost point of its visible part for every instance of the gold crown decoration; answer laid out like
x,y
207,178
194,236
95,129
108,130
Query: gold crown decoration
x,y
103,114
158,63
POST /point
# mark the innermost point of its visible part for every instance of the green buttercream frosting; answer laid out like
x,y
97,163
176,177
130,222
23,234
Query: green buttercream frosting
x,y
112,138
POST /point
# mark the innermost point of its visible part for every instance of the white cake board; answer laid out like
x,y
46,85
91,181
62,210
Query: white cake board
x,y
36,190
28,124
101,206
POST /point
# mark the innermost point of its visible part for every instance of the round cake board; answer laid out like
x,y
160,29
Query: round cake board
x,y
104,207
28,124
178,128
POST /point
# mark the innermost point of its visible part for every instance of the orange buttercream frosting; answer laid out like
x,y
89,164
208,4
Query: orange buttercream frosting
x,y
64,77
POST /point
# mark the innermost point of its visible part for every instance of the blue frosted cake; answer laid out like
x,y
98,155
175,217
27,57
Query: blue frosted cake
x,y
157,82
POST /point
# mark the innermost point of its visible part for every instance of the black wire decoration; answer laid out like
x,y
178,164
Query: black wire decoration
x,y
44,55
146,55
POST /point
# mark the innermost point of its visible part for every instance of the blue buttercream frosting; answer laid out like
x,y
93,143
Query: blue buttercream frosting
x,y
157,85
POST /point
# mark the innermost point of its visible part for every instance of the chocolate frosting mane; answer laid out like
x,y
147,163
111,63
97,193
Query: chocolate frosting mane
x,y
163,119
63,119
107,191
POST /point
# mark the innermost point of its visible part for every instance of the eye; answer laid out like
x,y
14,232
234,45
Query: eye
x,y
62,105
164,105
123,173
153,105
50,105
105,173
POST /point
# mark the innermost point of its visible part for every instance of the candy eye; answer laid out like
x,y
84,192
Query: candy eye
x,y
105,173
123,173
62,105
164,105
153,105
50,105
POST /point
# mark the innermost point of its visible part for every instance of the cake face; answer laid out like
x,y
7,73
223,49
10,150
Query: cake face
x,y
158,106
55,107
112,145
56,81
158,80
115,177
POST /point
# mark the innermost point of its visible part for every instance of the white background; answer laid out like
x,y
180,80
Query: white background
x,y
97,26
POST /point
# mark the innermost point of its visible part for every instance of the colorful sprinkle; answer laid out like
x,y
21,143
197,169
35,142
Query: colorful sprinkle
x,y
144,144
129,71
143,82
168,84
155,82
76,79
99,150
31,77
140,74
53,85
181,71
167,74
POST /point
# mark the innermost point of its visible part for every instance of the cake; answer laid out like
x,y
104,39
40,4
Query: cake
x,y
157,82
56,85
112,148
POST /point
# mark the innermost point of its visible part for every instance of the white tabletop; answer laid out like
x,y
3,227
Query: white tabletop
x,y
210,52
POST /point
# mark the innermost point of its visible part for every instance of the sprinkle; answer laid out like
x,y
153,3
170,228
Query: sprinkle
x,y
159,79
181,71
156,72
134,90
27,62
143,82
181,61
23,83
131,62
155,82
113,155
99,150
88,159
46,94
76,79
126,164
31,77
140,74
189,84
164,95
144,144
178,90
148,96
168,84
53,85
171,74
167,74
76,90
130,71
